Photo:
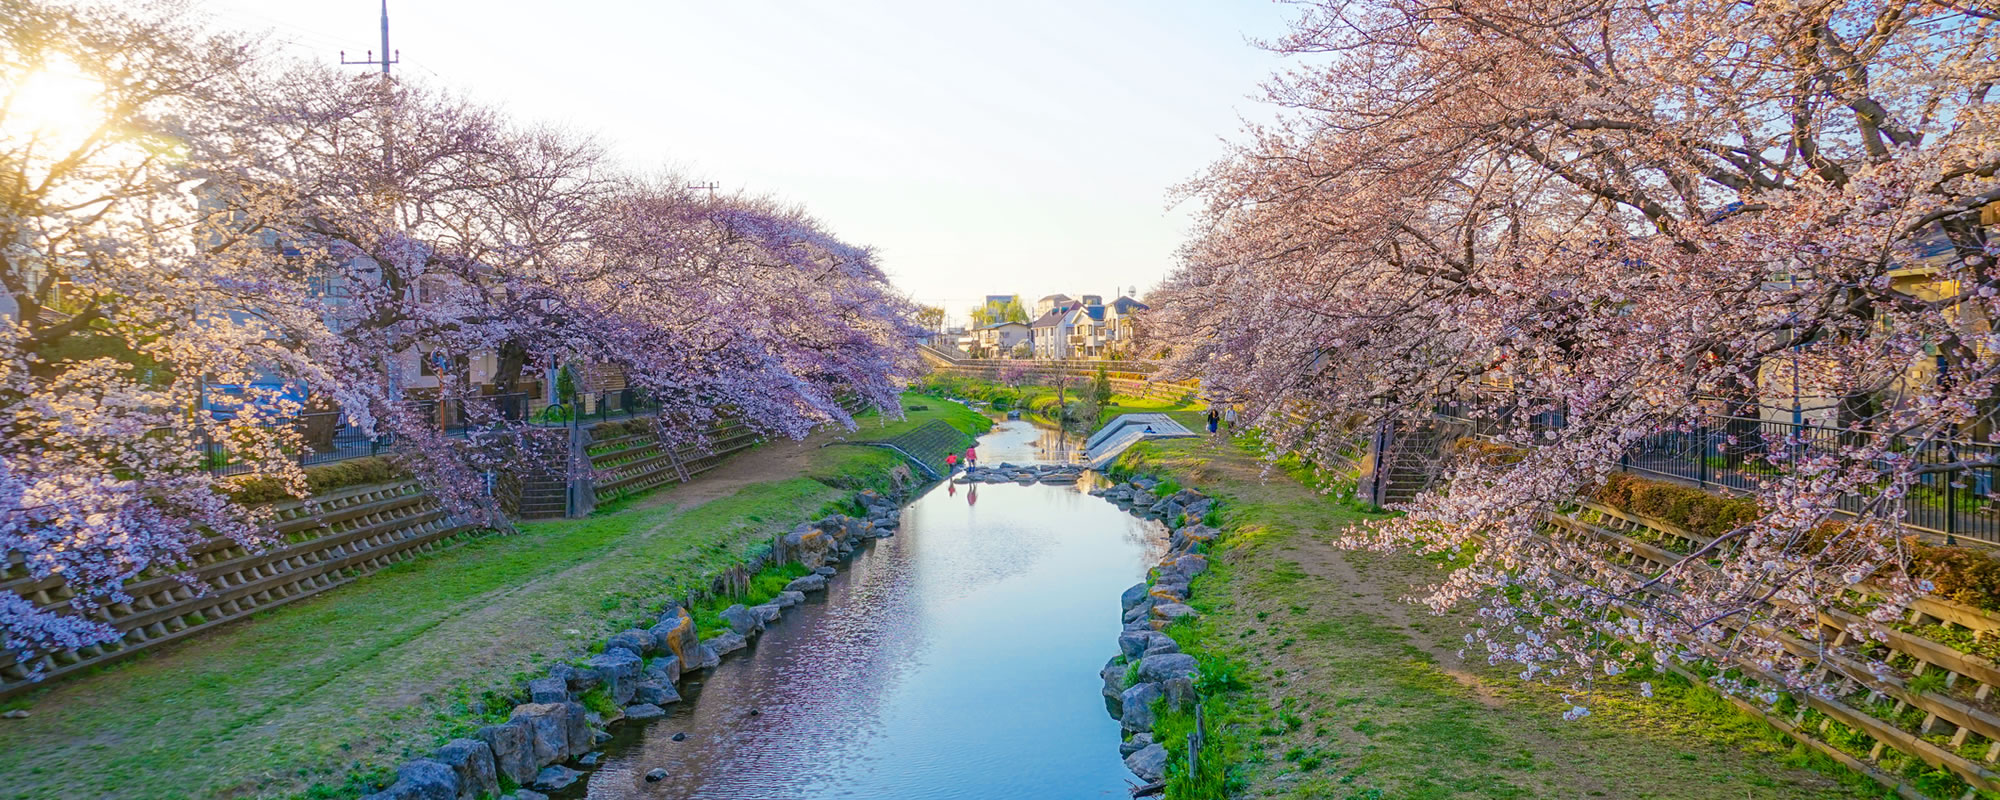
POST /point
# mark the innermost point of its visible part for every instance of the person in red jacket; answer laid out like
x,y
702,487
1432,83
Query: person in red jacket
x,y
971,456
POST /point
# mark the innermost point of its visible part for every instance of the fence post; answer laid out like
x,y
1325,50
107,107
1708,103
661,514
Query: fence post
x,y
1701,456
1951,502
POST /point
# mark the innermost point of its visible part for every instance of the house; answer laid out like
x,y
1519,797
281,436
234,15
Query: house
x,y
998,340
1051,333
1051,303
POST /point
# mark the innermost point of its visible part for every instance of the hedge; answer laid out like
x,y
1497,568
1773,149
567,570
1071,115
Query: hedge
x,y
320,479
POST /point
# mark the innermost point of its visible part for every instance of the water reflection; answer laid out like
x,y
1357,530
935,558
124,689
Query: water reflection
x,y
956,660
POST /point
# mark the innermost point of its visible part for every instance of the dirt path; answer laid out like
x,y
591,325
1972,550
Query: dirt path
x,y
1364,696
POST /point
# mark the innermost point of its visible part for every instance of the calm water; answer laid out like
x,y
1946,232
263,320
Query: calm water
x,y
957,659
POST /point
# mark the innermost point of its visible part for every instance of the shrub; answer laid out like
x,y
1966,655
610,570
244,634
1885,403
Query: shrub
x,y
319,479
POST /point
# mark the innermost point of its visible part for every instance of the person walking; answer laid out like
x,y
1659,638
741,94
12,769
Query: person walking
x,y
971,456
1229,419
1214,419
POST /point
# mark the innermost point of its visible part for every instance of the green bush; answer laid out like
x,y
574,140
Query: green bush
x,y
320,479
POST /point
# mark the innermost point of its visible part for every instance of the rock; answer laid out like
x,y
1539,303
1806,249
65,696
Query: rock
x,y
768,612
826,572
1133,644
579,680
1143,500
1137,702
1140,611
619,670
675,633
1179,692
1170,589
810,583
513,752
656,774
644,711
1135,744
420,779
1157,643
526,794
1168,612
591,758
1114,678
548,690
664,670
1184,568
19,713
742,621
1139,625
577,729
788,599
1166,667
656,694
724,643
598,737
471,760
556,777
547,725
639,642
1150,763
1133,596
704,657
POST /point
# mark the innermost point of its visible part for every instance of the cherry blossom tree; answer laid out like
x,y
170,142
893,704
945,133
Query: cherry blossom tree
x,y
225,218
1634,215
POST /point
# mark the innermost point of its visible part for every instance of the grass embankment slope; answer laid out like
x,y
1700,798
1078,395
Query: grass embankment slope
x,y
1350,693
1040,403
313,699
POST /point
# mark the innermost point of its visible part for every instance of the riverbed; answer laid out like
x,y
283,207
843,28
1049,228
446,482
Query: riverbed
x,y
957,659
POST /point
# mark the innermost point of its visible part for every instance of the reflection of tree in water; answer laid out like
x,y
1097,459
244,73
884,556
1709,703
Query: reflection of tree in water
x,y
1057,446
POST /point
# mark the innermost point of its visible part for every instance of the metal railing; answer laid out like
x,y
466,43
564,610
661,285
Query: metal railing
x,y
328,438
1741,454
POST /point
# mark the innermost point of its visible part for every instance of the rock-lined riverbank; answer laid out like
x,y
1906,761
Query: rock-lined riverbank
x,y
550,738
1150,672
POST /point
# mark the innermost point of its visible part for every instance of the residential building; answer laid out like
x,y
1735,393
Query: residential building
x,y
1051,303
998,340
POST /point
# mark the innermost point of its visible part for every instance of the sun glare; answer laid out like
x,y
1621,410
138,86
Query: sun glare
x,y
57,105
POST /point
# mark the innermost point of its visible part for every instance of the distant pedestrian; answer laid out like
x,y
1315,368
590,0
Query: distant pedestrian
x,y
971,457
1214,420
951,463
1229,418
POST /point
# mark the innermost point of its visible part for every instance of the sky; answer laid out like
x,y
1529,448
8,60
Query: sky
x,y
1028,147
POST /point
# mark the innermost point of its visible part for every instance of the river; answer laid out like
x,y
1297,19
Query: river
x,y
957,659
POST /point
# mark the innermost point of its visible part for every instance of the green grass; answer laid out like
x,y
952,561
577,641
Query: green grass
x,y
314,698
1352,693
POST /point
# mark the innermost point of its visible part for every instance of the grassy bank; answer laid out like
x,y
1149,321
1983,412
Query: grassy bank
x,y
1043,404
310,700
1343,690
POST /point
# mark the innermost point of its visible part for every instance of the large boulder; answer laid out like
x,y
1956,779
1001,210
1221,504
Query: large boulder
x,y
472,761
658,694
639,642
809,583
767,613
788,599
674,632
576,723
1167,666
1138,742
725,643
1114,678
1150,763
1142,610
1133,596
513,751
704,657
421,779
619,670
742,620
1168,612
1184,568
548,690
665,670
1133,644
1157,643
548,730
578,679
1137,703
556,777
1179,692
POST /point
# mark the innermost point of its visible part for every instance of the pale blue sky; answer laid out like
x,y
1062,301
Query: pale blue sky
x,y
1025,147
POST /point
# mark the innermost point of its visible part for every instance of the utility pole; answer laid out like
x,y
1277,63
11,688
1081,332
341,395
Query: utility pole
x,y
388,57
711,186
